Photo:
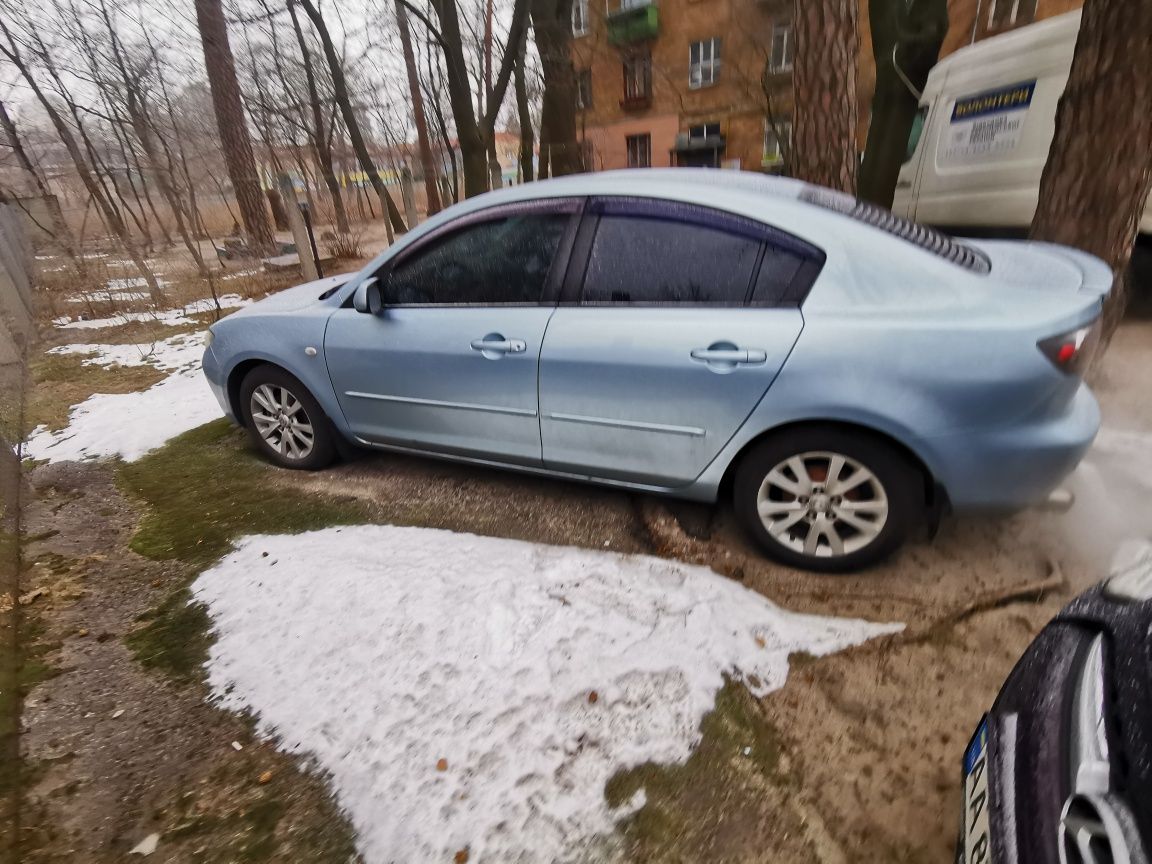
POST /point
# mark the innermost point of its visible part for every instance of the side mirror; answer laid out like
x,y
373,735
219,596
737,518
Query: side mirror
x,y
368,297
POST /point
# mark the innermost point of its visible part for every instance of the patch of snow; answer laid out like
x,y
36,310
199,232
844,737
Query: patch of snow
x,y
477,692
129,425
171,317
105,296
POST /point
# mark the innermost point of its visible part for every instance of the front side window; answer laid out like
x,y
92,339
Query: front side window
x,y
580,18
504,260
780,60
639,151
648,258
703,63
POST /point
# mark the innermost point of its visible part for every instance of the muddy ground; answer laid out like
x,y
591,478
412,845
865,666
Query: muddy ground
x,y
858,755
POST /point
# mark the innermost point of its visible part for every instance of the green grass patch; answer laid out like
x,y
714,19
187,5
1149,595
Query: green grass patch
x,y
206,488
60,381
736,738
203,490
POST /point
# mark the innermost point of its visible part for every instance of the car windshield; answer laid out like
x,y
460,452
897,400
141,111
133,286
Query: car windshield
x,y
926,238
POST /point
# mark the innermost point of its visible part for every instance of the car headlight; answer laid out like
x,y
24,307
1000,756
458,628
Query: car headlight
x,y
209,338
1132,567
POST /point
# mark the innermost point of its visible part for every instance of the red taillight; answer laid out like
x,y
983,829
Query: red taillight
x,y
1072,352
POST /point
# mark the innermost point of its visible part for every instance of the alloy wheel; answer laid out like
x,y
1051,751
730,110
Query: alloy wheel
x,y
281,421
822,504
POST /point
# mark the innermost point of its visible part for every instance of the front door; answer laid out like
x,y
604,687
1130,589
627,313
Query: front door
x,y
676,336
451,363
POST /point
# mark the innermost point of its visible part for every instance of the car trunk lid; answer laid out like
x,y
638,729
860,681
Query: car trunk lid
x,y
1046,267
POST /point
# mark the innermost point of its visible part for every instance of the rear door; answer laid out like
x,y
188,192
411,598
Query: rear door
x,y
674,322
451,363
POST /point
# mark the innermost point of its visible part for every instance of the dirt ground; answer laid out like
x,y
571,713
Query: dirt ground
x,y
865,745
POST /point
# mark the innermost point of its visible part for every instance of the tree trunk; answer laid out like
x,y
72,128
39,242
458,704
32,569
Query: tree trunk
x,y
344,101
523,110
427,165
552,22
321,141
914,31
232,124
824,85
1099,169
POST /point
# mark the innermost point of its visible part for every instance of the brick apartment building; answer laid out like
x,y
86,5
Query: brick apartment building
x,y
691,82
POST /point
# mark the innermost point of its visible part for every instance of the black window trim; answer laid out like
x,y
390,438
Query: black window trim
x,y
572,206
813,257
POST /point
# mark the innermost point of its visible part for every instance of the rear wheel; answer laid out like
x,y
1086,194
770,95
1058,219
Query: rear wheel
x,y
284,421
828,499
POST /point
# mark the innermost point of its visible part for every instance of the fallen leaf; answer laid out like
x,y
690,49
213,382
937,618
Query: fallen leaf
x,y
760,641
146,846
265,777
442,765
593,696
117,713
83,631
461,856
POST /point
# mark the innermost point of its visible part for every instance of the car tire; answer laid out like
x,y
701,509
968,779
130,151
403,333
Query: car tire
x,y
784,496
284,421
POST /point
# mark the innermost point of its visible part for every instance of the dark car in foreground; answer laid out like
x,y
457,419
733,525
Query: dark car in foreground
x,y
1060,769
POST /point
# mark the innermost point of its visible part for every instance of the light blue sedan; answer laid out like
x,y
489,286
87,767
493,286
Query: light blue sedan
x,y
844,374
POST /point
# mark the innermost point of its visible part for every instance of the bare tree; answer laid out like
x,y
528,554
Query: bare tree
x,y
232,124
422,142
552,24
1099,170
824,84
351,122
10,49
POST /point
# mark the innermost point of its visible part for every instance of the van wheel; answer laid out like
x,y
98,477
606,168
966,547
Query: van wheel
x,y
284,421
827,499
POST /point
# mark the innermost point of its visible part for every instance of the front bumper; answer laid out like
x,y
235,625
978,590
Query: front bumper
x,y
215,377
1016,466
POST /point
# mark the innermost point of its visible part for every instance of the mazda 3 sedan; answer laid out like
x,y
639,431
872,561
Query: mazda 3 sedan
x,y
1060,769
842,373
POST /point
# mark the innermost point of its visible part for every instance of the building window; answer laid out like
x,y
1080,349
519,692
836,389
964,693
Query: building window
x,y
780,59
704,130
580,17
639,151
637,80
1009,13
703,63
584,89
777,141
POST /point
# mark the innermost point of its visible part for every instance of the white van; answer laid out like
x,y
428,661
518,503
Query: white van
x,y
981,136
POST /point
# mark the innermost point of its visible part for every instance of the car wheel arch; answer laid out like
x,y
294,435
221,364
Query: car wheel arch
x,y
935,495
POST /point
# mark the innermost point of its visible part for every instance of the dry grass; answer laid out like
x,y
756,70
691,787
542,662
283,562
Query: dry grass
x,y
60,381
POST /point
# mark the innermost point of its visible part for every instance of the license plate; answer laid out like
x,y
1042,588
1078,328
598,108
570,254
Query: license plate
x,y
974,828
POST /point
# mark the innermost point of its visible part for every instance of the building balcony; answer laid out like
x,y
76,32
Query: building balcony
x,y
637,102
627,26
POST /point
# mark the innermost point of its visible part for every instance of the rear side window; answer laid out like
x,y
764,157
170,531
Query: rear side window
x,y
500,261
673,258
777,283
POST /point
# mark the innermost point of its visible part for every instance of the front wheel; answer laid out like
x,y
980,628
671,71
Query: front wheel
x,y
828,499
284,420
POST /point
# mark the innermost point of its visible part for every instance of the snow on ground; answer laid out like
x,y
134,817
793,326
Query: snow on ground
x,y
380,651
171,317
107,296
130,424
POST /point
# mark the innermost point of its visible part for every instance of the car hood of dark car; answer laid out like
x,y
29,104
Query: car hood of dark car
x,y
298,297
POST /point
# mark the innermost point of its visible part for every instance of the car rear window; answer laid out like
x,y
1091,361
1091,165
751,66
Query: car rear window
x,y
926,238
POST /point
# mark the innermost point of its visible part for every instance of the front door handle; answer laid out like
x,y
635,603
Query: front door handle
x,y
494,345
730,355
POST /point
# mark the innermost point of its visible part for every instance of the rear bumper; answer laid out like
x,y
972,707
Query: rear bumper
x,y
1013,467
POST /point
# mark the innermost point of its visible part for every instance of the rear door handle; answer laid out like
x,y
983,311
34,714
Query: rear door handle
x,y
729,355
499,346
